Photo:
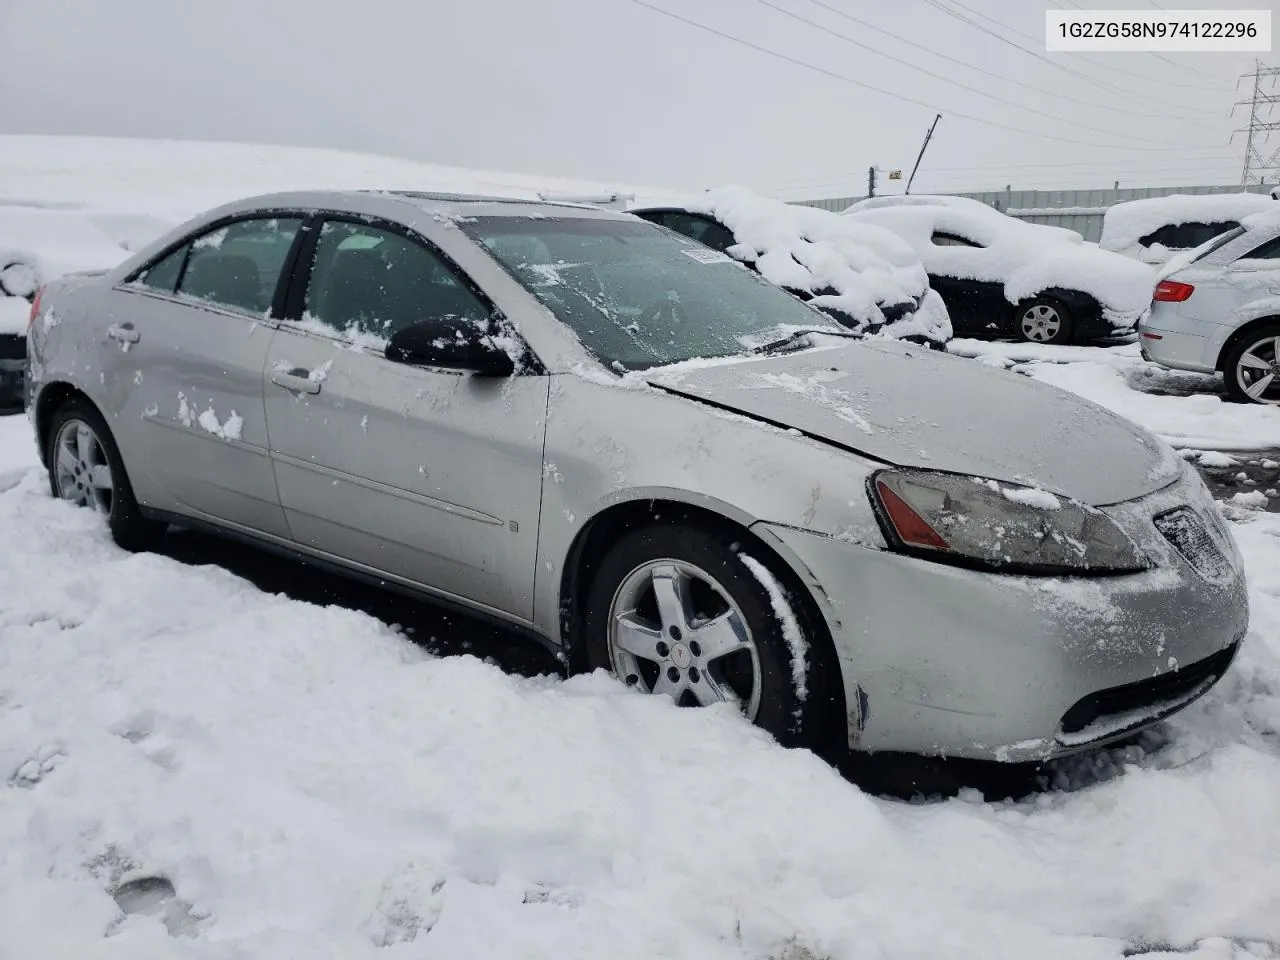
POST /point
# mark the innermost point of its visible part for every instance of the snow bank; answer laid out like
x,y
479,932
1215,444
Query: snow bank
x,y
1027,258
1124,224
849,267
312,785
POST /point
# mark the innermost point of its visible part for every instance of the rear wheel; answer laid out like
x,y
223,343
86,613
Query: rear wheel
x,y
85,469
1251,369
1044,320
681,611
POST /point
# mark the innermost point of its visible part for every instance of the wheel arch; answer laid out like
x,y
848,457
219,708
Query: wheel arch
x,y
1243,332
51,397
593,541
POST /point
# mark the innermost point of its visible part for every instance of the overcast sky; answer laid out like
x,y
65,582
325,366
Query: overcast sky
x,y
610,89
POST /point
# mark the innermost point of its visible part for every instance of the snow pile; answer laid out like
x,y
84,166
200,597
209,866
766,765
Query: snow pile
x,y
257,778
1185,409
851,268
1125,224
1027,258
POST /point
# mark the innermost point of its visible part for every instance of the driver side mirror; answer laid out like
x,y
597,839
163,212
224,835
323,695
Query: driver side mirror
x,y
455,343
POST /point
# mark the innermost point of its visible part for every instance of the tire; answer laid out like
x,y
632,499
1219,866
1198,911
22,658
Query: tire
x,y
89,472
1044,320
718,581
1241,368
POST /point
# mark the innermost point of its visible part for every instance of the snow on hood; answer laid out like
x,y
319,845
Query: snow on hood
x,y
918,408
1027,258
1125,224
850,267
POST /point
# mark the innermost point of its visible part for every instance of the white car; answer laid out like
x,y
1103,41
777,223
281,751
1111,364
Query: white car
x,y
1157,228
1000,276
1217,308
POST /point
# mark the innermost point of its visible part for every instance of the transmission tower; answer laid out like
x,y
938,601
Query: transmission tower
x,y
1260,163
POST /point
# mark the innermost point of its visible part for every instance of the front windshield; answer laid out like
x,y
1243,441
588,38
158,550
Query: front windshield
x,y
638,295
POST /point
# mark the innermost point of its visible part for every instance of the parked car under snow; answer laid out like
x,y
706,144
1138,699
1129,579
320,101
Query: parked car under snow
x,y
862,275
19,280
1000,276
1154,229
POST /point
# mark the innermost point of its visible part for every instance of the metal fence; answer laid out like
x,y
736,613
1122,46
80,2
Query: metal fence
x,y
1079,210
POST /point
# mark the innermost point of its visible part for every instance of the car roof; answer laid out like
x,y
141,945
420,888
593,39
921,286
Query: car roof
x,y
444,204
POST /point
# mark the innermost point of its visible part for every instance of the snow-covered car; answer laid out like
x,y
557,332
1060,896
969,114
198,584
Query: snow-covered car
x,y
19,280
1217,309
653,461
862,275
1156,228
1001,276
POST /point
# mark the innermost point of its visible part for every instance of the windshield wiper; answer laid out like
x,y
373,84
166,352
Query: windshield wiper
x,y
775,345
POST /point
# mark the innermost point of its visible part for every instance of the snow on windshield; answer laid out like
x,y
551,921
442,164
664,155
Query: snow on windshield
x,y
975,242
852,268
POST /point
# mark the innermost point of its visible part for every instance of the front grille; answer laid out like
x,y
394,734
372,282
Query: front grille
x,y
1184,528
1168,688
12,347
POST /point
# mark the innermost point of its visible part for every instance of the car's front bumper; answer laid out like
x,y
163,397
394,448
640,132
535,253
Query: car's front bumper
x,y
12,382
946,661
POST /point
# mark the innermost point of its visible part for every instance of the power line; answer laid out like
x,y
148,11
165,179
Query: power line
x,y
937,76
889,93
1057,95
1101,85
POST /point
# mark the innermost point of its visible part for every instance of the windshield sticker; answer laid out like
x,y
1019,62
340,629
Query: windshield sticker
x,y
706,255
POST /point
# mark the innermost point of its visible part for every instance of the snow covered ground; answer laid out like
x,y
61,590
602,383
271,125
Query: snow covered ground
x,y
257,777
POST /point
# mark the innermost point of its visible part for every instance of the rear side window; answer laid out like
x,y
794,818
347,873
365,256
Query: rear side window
x,y
163,274
952,240
1187,236
238,265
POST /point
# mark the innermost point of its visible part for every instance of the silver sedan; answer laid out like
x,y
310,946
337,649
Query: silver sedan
x,y
628,446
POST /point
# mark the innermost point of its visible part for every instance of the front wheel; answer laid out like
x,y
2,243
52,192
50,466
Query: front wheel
x,y
1251,369
1044,320
85,469
682,611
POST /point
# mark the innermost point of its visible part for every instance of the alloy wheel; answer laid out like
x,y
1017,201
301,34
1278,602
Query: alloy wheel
x,y
81,470
674,630
1040,323
1258,371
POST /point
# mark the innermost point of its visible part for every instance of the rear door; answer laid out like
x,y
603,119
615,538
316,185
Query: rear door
x,y
977,307
185,346
431,476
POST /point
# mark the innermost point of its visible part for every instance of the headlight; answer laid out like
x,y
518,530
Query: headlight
x,y
972,521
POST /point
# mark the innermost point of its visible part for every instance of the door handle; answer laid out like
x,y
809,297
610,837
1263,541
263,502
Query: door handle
x,y
123,333
296,379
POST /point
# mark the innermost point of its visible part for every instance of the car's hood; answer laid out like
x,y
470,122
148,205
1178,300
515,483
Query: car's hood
x,y
910,406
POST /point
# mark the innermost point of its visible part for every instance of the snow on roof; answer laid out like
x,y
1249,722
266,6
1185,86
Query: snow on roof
x,y
850,267
1028,258
1125,224
915,200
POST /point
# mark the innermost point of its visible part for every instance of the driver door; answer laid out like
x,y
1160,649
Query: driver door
x,y
428,475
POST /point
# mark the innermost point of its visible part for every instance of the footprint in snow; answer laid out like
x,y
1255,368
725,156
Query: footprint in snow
x,y
38,766
154,896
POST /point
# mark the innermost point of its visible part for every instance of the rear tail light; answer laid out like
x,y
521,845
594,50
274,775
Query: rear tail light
x,y
1148,335
1173,291
35,309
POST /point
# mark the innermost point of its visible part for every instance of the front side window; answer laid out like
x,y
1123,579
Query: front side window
x,y
163,274
368,282
238,265
636,295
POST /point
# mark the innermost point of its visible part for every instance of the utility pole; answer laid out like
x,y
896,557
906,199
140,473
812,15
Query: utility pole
x,y
1259,165
871,181
924,146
